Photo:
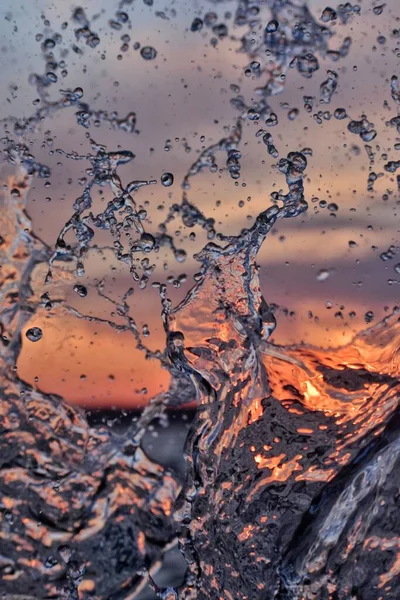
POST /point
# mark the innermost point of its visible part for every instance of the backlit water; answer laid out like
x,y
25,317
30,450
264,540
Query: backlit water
x,y
292,456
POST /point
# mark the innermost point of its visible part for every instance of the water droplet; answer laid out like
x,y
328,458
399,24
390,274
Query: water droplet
x,y
293,113
148,52
395,89
328,87
369,316
34,334
272,120
167,179
147,242
9,517
81,290
308,103
323,274
197,25
378,10
65,553
51,77
340,114
169,594
220,30
272,26
48,44
78,92
328,14
180,255
307,64
51,562
368,136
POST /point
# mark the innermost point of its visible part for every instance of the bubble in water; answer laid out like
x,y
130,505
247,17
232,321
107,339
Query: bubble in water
x,y
34,334
148,52
167,179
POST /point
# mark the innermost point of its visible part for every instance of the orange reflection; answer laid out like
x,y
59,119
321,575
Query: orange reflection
x,y
280,471
386,544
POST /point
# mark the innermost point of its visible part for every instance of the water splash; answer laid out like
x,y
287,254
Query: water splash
x,y
283,440
293,453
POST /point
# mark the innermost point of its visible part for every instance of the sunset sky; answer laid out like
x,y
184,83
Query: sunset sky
x,y
185,94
